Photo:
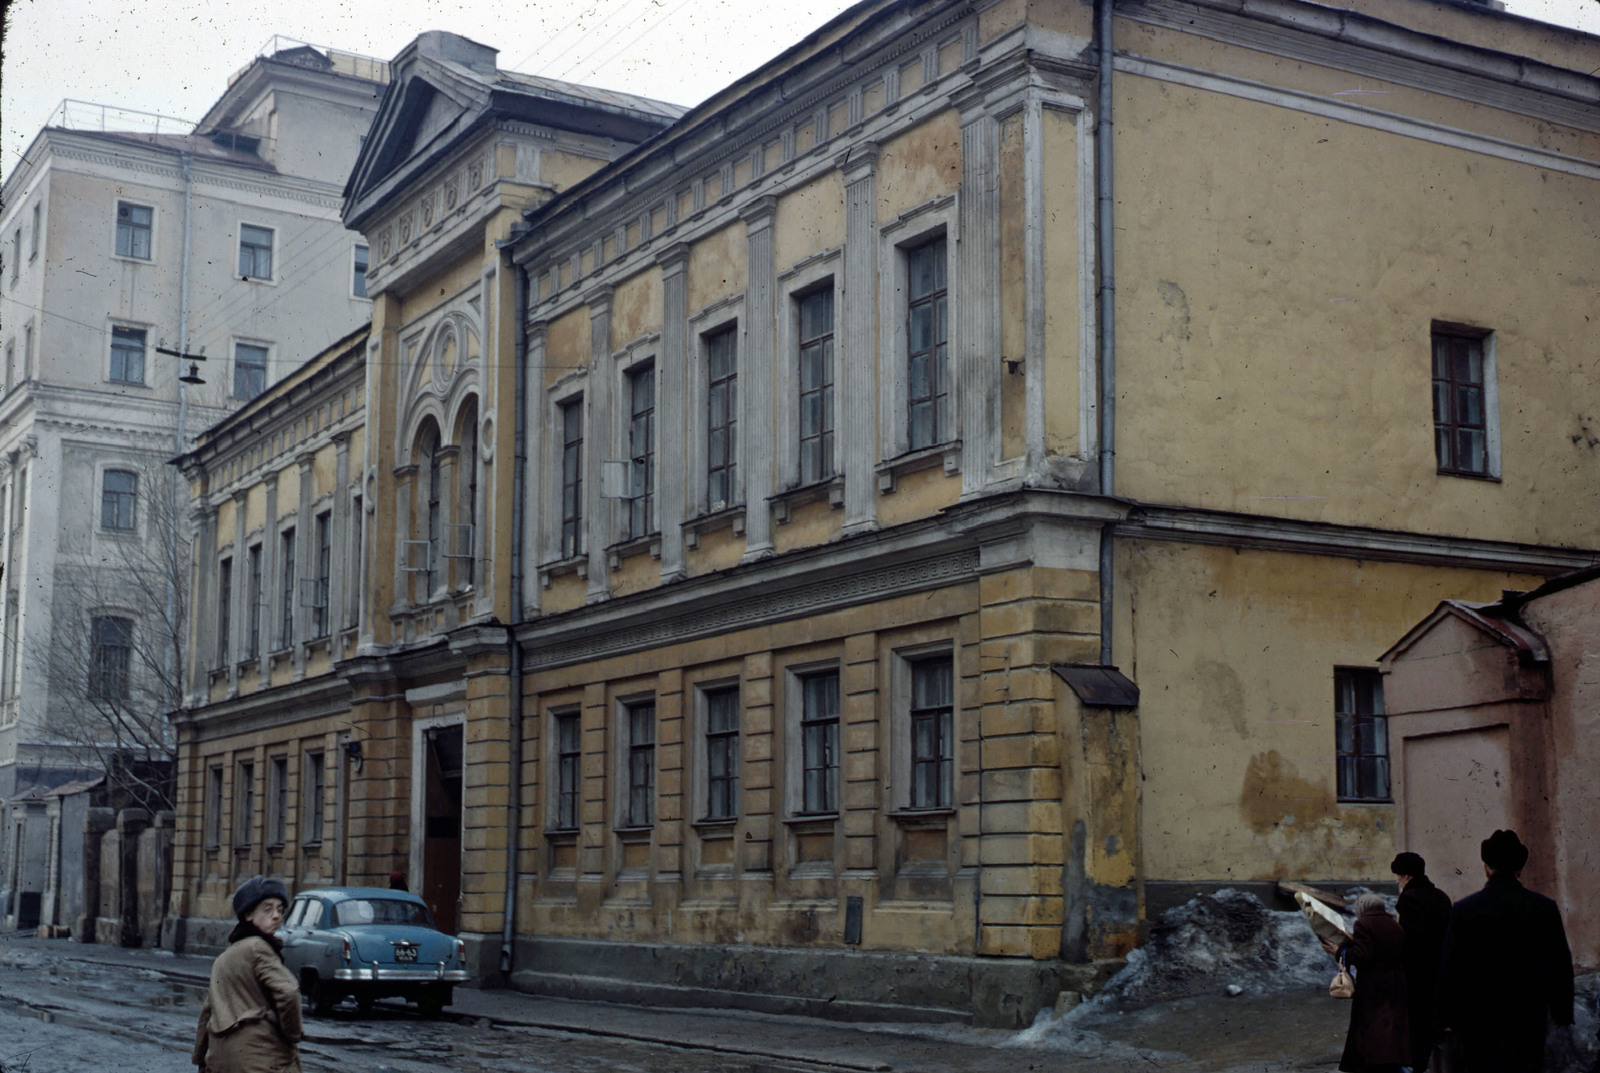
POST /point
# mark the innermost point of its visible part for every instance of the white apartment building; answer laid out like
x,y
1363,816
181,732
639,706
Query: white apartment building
x,y
221,239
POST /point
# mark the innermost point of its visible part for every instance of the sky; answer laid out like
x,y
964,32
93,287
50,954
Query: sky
x,y
173,57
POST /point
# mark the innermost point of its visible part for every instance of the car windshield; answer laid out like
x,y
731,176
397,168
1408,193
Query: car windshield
x,y
381,911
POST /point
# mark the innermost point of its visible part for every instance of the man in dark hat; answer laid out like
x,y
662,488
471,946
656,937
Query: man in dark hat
x,y
1507,968
1424,912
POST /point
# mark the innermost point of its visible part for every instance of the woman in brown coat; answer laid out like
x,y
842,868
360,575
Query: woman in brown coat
x,y
250,1022
1379,1036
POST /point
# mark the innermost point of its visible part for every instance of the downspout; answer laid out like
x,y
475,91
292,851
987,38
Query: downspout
x,y
1104,222
174,663
513,648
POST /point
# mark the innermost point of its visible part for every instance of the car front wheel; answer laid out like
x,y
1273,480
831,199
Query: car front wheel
x,y
322,997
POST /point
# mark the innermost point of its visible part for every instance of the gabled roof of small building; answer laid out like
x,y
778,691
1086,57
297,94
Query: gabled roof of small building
x,y
445,86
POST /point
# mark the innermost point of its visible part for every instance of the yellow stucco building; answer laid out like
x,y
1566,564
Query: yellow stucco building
x,y
887,532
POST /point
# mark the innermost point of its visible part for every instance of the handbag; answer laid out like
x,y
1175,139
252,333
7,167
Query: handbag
x,y
1343,985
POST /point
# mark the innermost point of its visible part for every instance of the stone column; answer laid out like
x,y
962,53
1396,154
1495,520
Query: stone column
x,y
756,417
602,528
95,826
672,481
975,356
446,572
856,385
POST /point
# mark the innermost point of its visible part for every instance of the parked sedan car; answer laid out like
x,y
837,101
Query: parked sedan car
x,y
370,943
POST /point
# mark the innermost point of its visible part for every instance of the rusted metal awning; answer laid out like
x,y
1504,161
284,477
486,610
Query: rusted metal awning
x,y
1097,686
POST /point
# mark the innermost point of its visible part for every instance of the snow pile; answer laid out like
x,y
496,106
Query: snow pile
x,y
1216,940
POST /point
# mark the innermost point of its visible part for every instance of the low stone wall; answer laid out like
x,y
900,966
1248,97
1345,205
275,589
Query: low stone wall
x,y
840,984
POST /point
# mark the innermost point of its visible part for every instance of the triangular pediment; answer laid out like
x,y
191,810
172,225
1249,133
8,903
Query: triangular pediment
x,y
432,99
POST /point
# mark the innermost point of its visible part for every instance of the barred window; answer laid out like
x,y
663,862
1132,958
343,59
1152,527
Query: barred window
x,y
112,658
816,386
641,717
722,754
1362,730
927,345
932,705
819,743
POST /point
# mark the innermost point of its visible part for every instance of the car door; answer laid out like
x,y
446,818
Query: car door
x,y
303,947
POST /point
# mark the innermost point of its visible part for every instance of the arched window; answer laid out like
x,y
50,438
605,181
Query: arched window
x,y
423,558
467,511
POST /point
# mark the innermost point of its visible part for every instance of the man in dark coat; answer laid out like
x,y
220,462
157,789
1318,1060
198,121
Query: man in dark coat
x,y
1424,915
1507,968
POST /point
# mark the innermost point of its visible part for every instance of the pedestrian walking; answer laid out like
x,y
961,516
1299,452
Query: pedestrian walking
x,y
1424,912
1378,1040
1507,968
250,1022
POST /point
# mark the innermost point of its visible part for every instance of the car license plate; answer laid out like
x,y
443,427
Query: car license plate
x,y
405,953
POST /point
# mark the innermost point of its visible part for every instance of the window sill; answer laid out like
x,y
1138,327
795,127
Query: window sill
x,y
784,503
1492,478
1365,801
717,826
246,665
310,846
562,836
577,564
323,643
727,518
628,549
140,384
634,835
894,470
812,825
923,819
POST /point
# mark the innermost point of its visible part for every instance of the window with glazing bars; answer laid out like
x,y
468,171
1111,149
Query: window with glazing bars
x,y
435,493
286,593
213,807
255,252
927,345
253,604
249,370
119,494
278,798
1362,731
569,758
112,639
244,805
127,355
641,450
319,610
819,743
224,607
311,792
932,706
722,418
641,763
816,385
1460,423
722,754
572,478
133,231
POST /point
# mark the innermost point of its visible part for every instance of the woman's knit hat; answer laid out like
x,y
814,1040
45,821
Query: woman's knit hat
x,y
255,890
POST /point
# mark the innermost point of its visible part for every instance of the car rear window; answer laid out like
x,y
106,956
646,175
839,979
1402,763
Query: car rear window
x,y
381,911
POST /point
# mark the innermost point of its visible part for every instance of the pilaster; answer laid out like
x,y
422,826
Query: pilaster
x,y
756,452
346,559
302,558
539,461
673,371
602,525
976,327
857,378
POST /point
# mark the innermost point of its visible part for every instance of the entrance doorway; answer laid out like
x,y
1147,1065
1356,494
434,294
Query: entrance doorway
x,y
441,824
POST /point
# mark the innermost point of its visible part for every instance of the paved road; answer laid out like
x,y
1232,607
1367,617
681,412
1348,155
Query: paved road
x,y
71,1007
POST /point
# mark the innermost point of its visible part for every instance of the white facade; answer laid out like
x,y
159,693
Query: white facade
x,y
227,242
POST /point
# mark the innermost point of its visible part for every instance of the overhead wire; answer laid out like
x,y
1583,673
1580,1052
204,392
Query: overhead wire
x,y
626,45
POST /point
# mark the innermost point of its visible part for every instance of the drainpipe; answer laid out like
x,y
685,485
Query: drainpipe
x,y
513,649
1104,221
174,670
